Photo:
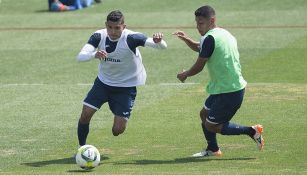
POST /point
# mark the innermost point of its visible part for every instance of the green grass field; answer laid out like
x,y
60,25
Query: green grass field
x,y
42,87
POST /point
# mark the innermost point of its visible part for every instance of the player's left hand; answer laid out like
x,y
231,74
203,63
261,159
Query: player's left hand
x,y
182,76
157,37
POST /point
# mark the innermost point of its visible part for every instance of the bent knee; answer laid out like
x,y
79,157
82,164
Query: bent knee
x,y
117,131
216,128
119,125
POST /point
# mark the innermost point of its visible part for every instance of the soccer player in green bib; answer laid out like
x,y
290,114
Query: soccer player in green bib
x,y
218,50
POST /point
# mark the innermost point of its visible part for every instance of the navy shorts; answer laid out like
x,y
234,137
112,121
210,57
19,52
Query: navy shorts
x,y
120,99
222,107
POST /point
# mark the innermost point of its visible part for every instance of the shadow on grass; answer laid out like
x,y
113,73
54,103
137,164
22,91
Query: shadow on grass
x,y
42,11
69,160
79,171
183,160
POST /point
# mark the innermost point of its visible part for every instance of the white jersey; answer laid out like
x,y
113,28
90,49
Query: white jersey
x,y
122,67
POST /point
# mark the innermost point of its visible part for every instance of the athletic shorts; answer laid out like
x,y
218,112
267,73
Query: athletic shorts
x,y
222,107
120,99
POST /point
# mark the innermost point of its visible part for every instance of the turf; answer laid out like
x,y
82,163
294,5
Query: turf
x,y
42,87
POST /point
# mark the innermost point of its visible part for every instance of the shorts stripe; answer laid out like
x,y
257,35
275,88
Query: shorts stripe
x,y
91,106
211,122
206,108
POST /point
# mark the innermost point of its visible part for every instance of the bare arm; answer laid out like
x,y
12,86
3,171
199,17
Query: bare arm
x,y
195,69
189,42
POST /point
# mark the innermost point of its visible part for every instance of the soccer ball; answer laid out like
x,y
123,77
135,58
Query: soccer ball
x,y
88,157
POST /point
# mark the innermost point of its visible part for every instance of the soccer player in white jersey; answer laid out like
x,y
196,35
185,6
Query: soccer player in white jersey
x,y
120,70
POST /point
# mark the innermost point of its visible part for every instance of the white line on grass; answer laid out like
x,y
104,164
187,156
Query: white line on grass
x,y
177,84
161,84
89,84
22,84
85,84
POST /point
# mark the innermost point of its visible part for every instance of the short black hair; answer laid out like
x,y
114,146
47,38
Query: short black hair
x,y
205,11
116,16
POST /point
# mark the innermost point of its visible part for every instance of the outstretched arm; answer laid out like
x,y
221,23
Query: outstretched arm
x,y
156,41
189,42
195,69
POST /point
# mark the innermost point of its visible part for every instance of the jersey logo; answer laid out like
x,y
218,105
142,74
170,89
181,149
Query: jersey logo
x,y
113,60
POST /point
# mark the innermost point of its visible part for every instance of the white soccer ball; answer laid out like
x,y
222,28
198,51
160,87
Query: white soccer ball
x,y
88,157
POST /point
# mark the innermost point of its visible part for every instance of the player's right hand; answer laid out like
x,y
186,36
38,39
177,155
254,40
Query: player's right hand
x,y
101,55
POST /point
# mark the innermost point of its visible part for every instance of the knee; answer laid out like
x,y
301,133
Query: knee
x,y
119,125
116,131
216,128
212,129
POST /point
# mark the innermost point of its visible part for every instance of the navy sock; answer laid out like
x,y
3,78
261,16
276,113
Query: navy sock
x,y
235,129
211,139
83,130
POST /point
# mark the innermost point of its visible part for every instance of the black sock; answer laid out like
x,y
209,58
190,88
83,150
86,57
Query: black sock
x,y
252,132
83,130
211,139
235,129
